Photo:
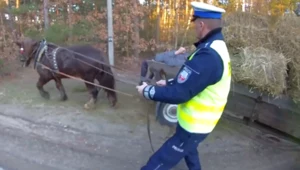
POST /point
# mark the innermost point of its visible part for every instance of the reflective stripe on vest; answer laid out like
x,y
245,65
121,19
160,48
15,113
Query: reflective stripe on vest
x,y
202,112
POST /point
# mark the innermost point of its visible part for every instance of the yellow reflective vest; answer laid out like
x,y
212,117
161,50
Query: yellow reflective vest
x,y
201,113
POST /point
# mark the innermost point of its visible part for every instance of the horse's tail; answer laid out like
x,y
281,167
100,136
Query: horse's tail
x,y
107,79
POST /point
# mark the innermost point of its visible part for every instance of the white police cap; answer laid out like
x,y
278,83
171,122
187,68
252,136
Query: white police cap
x,y
204,10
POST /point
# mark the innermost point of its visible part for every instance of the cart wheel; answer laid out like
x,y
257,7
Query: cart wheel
x,y
166,114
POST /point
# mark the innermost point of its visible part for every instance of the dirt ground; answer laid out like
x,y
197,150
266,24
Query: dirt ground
x,y
37,134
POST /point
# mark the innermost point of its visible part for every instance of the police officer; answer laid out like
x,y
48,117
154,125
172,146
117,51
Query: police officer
x,y
200,88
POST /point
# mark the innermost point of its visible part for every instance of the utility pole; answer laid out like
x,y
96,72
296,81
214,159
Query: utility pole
x,y
110,32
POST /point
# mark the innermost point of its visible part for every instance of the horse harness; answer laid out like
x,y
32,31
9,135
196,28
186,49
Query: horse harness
x,y
43,49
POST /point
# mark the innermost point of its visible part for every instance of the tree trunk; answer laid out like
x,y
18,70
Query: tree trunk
x,y
11,16
170,16
176,22
17,3
136,30
3,31
46,15
186,30
70,19
158,22
187,8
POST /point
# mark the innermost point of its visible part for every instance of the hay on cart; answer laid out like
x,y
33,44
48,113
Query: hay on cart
x,y
261,69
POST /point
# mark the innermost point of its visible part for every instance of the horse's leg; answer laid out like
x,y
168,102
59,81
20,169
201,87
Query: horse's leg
x,y
94,93
60,87
109,82
112,97
40,86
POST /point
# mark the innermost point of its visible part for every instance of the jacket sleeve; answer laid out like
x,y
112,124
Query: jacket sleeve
x,y
175,61
165,56
206,68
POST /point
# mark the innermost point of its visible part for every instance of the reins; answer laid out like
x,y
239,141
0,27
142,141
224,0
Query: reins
x,y
87,57
79,79
100,62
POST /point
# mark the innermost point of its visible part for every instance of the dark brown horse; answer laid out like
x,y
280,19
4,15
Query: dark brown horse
x,y
68,61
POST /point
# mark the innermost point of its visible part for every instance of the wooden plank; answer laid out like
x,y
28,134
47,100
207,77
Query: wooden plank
x,y
281,119
239,105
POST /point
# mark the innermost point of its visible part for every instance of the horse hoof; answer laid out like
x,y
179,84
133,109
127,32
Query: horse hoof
x,y
86,106
46,95
64,98
113,104
89,106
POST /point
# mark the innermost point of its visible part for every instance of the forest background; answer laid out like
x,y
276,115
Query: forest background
x,y
262,35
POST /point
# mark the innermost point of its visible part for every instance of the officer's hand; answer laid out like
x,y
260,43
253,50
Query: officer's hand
x,y
161,82
141,87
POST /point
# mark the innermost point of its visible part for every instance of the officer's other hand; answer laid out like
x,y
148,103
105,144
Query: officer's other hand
x,y
161,82
141,87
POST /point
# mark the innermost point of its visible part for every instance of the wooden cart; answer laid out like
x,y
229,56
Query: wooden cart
x,y
281,113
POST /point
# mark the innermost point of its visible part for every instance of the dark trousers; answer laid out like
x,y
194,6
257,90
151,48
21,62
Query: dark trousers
x,y
144,69
181,145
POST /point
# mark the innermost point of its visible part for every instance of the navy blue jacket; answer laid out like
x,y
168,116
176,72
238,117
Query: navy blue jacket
x,y
204,69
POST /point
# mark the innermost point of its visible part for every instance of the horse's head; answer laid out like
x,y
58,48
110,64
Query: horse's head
x,y
27,49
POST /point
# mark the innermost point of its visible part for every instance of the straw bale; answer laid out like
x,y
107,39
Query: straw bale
x,y
286,39
262,69
246,30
